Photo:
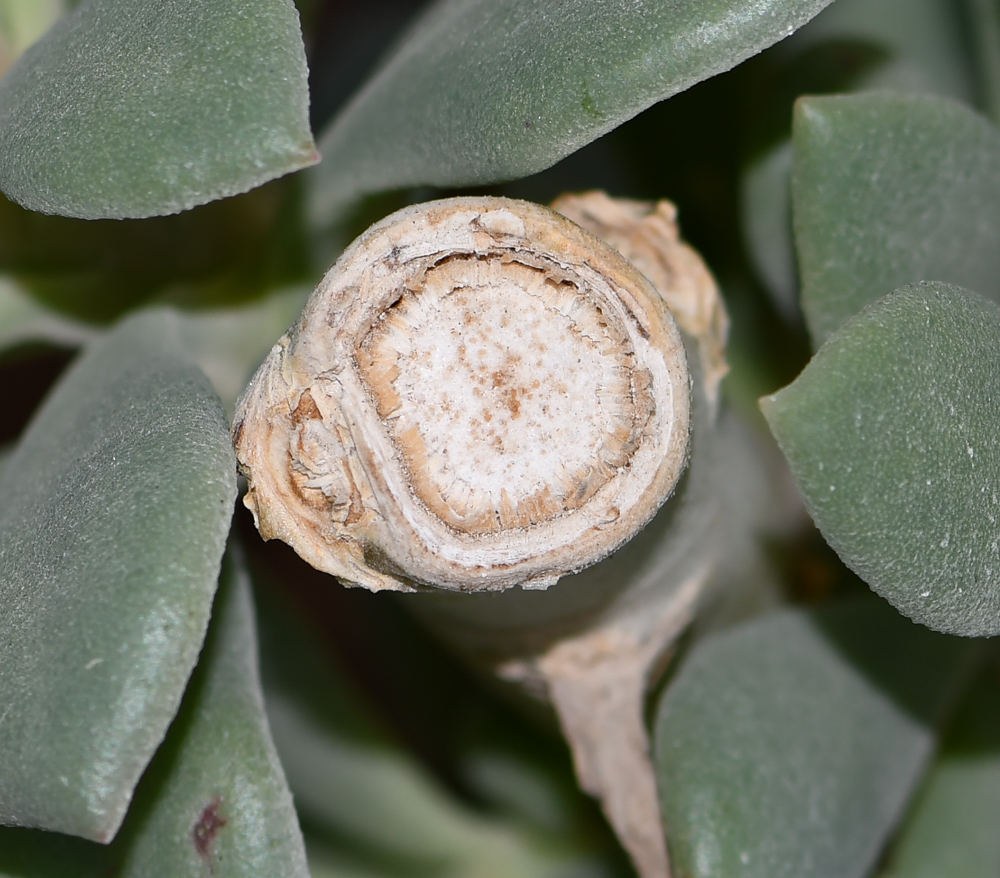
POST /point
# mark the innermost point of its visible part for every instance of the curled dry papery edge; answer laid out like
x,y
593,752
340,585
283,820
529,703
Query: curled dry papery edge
x,y
597,675
647,235
479,394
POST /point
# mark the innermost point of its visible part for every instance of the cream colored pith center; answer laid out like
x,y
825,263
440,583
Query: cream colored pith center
x,y
510,395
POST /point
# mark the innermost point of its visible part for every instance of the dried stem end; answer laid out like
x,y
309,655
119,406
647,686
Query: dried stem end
x,y
479,394
647,235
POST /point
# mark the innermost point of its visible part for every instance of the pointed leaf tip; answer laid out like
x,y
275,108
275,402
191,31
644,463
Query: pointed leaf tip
x,y
891,434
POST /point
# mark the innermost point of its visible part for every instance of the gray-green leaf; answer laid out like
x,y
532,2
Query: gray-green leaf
x,y
482,91
891,432
214,801
133,108
766,208
891,189
24,319
788,747
116,505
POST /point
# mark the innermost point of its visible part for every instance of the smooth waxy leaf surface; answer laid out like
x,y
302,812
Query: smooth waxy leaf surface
x,y
481,91
951,832
133,108
891,189
115,510
891,433
214,800
788,747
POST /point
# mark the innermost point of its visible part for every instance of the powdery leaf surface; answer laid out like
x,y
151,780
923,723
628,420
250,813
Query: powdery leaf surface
x,y
214,800
134,108
116,506
891,434
891,189
788,747
481,91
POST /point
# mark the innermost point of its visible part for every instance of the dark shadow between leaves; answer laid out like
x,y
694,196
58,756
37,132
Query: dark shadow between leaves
x,y
923,672
223,253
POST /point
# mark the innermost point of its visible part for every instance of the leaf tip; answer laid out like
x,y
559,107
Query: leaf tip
x,y
771,405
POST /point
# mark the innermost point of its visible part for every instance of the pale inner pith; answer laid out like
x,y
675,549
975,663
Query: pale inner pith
x,y
510,396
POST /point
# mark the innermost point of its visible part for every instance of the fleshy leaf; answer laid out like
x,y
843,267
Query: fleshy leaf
x,y
788,747
133,108
116,506
214,800
853,45
891,189
229,343
891,433
951,832
481,91
767,226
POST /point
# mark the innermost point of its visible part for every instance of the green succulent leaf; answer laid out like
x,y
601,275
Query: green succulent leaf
x,y
890,189
788,747
214,800
951,831
766,208
116,505
481,91
134,108
227,343
230,343
853,45
891,432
